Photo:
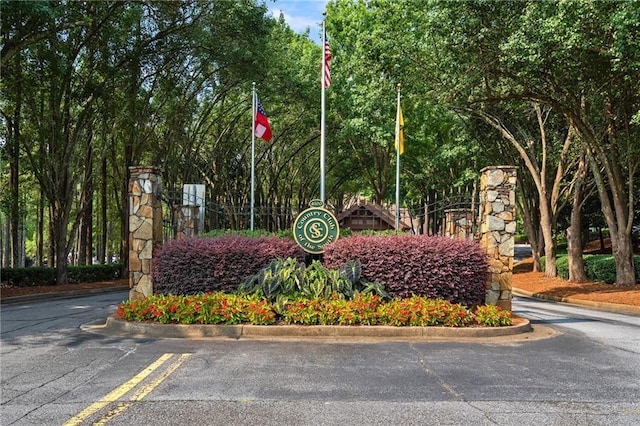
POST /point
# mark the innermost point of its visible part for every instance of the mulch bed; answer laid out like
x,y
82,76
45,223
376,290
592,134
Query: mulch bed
x,y
537,283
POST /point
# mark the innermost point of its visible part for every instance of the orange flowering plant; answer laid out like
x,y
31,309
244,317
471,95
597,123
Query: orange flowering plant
x,y
362,309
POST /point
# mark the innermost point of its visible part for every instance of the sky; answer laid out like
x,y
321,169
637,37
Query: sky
x,y
300,14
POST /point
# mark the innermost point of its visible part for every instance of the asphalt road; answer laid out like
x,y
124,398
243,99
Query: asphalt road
x,y
586,372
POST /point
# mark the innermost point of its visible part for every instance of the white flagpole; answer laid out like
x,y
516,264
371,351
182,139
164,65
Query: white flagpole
x,y
253,149
322,84
398,162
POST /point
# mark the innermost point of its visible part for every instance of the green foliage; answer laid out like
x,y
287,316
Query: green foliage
x,y
352,270
208,308
598,267
94,273
492,316
282,277
320,281
40,276
363,309
392,50
29,277
520,239
286,279
386,232
422,312
170,81
256,233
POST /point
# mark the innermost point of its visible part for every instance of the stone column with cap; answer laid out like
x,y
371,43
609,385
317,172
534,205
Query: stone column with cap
x,y
145,227
187,221
497,229
459,224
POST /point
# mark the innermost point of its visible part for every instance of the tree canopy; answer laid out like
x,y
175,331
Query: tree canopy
x,y
92,88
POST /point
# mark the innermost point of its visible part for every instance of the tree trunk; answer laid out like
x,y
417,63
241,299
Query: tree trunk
x,y
62,276
4,260
14,175
85,253
574,239
59,221
550,268
618,219
574,232
531,220
537,250
623,254
40,231
102,245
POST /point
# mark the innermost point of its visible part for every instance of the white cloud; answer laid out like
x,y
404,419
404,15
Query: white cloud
x,y
300,14
298,23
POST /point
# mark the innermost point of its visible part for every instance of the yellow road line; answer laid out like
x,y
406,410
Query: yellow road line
x,y
117,392
139,395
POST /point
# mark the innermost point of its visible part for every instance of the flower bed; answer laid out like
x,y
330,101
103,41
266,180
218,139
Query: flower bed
x,y
362,309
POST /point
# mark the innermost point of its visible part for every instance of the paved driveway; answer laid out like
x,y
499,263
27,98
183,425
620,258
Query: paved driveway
x,y
53,372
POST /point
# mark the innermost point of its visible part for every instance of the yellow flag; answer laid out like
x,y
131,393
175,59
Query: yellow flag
x,y
399,130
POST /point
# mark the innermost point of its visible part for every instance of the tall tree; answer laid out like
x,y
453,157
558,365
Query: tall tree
x,y
371,40
578,57
583,58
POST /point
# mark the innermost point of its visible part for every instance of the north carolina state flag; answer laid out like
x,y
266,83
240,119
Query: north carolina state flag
x,y
262,128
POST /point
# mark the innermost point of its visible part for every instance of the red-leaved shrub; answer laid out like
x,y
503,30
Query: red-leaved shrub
x,y
434,267
194,265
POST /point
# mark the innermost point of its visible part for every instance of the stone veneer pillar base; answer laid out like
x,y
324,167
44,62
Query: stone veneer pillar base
x,y
145,227
497,229
187,221
459,224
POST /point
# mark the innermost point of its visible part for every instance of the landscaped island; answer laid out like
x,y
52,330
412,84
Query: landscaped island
x,y
381,280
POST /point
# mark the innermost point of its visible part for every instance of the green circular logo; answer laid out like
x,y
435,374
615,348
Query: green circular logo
x,y
315,227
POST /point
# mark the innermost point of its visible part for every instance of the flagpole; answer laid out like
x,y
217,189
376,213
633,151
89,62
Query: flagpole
x,y
398,130
322,104
253,149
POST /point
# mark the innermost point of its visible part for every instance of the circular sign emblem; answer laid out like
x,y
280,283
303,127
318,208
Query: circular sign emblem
x,y
315,227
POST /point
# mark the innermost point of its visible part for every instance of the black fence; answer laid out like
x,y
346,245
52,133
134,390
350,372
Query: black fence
x,y
431,215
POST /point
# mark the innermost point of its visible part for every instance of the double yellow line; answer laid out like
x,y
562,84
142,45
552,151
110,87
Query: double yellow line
x,y
125,388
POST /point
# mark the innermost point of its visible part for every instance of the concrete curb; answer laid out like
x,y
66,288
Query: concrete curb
x,y
608,307
59,295
207,331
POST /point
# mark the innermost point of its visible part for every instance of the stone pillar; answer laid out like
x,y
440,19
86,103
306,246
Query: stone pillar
x,y
187,221
145,227
498,226
459,224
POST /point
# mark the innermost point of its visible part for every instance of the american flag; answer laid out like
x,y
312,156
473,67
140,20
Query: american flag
x,y
327,60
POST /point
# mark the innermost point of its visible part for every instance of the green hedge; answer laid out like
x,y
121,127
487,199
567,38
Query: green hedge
x,y
285,233
520,239
598,267
37,276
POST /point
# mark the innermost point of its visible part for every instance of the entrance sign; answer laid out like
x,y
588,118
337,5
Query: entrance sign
x,y
315,227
